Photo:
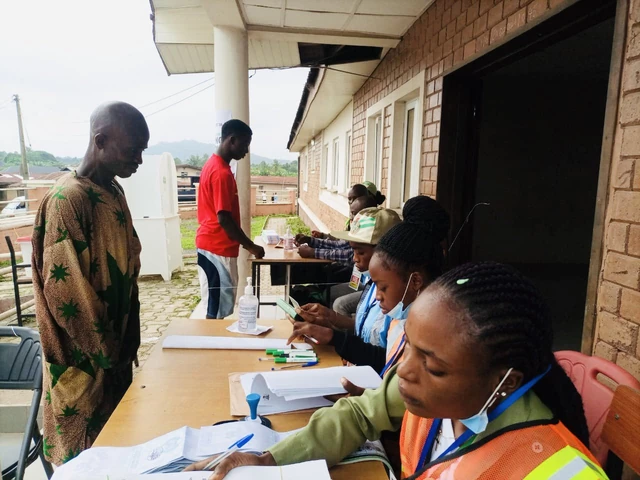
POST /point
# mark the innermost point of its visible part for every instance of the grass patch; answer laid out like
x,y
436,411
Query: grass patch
x,y
188,233
298,226
257,225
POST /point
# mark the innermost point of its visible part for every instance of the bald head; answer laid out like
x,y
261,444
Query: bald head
x,y
119,135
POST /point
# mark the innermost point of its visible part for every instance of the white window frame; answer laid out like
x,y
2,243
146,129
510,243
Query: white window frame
x,y
324,166
335,165
373,154
414,88
415,152
346,183
305,185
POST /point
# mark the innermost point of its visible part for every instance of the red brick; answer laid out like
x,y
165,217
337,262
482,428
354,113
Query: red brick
x,y
510,6
636,176
556,3
631,75
606,351
630,109
617,236
624,174
448,62
480,25
473,12
630,305
622,269
617,332
517,20
634,12
630,364
626,206
485,5
469,49
499,31
633,45
495,15
536,9
609,297
482,42
458,56
467,34
633,247
630,141
456,8
461,22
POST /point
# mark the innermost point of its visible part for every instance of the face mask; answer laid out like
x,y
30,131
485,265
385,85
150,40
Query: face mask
x,y
478,423
398,312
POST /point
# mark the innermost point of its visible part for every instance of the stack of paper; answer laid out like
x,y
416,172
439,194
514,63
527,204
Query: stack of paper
x,y
216,439
229,343
315,470
288,391
168,453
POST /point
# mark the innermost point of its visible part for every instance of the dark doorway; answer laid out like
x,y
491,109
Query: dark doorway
x,y
525,135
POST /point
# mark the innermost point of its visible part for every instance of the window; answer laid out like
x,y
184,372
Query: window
x,y
324,166
306,169
408,149
336,163
346,184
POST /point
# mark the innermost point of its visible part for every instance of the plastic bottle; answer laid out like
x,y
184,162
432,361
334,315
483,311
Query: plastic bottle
x,y
288,240
248,306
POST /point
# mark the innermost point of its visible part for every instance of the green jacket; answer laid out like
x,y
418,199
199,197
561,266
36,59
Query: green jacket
x,y
335,432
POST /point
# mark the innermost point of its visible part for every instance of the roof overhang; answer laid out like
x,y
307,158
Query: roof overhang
x,y
276,29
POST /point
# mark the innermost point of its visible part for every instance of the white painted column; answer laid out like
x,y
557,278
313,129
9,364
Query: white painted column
x,y
231,65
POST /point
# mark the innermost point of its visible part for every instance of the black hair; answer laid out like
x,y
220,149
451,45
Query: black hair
x,y
414,244
510,319
235,127
360,190
378,197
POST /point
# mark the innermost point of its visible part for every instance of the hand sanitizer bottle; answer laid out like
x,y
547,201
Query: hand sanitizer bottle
x,y
248,306
288,239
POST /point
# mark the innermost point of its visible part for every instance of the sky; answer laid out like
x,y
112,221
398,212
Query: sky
x,y
65,57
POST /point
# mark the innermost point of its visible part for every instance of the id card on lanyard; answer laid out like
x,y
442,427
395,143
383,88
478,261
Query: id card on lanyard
x,y
368,303
356,276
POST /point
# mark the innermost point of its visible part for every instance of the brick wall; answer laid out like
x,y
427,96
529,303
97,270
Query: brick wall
x,y
447,34
618,308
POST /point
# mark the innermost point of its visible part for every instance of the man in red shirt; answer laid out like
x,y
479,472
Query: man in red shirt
x,y
219,236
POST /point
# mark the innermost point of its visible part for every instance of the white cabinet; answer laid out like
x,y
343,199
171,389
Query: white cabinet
x,y
152,196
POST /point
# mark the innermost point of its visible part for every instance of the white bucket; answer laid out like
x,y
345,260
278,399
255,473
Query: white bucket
x,y
27,249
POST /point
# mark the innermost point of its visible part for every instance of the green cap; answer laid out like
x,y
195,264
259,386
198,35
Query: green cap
x,y
371,187
369,226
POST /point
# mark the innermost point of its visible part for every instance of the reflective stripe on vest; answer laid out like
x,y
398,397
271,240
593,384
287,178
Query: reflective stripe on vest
x,y
395,344
567,464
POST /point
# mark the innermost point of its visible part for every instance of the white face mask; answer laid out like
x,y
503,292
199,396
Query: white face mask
x,y
478,423
398,312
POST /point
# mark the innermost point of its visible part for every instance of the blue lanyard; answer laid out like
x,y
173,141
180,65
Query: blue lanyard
x,y
367,310
394,357
506,403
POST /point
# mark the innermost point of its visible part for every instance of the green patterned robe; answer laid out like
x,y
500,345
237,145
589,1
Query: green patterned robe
x,y
86,258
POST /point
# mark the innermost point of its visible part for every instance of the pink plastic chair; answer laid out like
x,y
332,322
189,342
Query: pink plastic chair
x,y
596,397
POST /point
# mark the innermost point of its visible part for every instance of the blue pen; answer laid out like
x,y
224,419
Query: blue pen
x,y
232,448
308,364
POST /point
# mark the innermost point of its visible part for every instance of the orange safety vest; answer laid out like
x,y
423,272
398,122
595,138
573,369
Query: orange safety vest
x,y
531,452
395,344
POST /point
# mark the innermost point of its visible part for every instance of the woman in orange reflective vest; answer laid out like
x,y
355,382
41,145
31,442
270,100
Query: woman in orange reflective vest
x,y
479,393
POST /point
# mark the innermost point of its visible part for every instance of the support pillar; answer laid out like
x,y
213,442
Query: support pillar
x,y
231,65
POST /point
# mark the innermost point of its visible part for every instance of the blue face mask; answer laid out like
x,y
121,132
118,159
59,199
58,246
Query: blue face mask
x,y
478,423
398,312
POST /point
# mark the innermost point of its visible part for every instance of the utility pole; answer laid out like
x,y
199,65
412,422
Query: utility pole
x,y
24,166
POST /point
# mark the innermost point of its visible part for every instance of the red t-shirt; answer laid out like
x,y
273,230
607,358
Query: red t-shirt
x,y
217,192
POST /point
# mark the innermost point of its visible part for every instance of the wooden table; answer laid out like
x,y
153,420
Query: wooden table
x,y
191,387
277,256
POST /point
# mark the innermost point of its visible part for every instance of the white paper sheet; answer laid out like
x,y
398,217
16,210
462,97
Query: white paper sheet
x,y
218,438
260,329
315,470
228,343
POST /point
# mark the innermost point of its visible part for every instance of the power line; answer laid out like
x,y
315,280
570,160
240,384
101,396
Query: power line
x,y
180,101
177,93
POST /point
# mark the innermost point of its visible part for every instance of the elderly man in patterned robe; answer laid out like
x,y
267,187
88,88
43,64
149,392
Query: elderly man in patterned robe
x,y
86,258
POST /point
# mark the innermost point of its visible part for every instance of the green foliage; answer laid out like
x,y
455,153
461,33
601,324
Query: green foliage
x,y
298,226
275,169
34,157
197,160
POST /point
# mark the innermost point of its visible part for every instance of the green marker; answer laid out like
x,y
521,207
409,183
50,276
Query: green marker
x,y
293,359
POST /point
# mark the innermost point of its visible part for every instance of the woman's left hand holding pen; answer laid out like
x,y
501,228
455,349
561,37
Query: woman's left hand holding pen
x,y
235,460
323,335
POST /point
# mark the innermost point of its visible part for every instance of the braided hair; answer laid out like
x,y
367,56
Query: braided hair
x,y
414,244
509,317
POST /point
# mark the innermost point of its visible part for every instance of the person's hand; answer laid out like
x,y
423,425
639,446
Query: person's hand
x,y
316,314
301,239
256,250
235,460
317,234
352,390
322,334
306,252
